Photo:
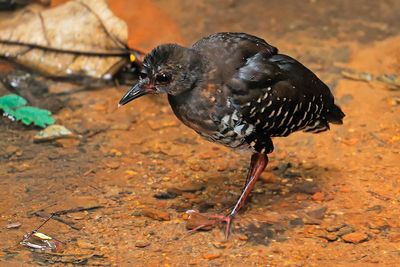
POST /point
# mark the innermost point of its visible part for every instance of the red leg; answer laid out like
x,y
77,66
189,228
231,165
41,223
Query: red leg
x,y
258,163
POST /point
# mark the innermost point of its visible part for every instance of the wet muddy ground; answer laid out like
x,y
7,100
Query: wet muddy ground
x,y
329,199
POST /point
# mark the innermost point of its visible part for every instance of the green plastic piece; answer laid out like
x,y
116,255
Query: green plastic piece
x,y
13,101
14,106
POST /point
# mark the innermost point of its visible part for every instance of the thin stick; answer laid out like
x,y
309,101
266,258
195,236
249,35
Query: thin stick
x,y
122,53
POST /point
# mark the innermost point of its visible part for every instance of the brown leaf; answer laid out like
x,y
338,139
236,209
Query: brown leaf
x,y
43,39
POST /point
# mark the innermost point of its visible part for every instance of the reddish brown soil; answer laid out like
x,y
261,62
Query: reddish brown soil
x,y
313,185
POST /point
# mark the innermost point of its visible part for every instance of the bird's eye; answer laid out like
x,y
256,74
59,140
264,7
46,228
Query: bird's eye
x,y
163,78
142,75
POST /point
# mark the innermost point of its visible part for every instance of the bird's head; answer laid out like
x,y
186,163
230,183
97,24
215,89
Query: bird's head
x,y
168,68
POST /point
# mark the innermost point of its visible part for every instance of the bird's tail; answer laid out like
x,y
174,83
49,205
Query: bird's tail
x,y
335,115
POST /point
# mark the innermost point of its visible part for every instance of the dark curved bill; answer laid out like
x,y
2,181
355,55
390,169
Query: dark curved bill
x,y
133,93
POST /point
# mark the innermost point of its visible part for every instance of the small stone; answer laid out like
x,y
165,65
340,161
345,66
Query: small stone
x,y
219,245
345,189
212,255
113,165
85,245
345,230
335,227
142,244
165,195
297,222
52,132
222,166
14,225
156,214
319,196
317,213
11,150
68,142
115,152
379,224
242,237
306,188
355,238
191,186
130,173
331,237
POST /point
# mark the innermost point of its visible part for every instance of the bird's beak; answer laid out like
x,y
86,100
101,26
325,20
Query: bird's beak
x,y
141,88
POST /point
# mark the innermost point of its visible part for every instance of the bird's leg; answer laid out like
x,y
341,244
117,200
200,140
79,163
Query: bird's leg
x,y
258,163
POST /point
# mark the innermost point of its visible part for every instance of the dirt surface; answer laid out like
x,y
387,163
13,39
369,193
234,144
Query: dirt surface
x,y
330,199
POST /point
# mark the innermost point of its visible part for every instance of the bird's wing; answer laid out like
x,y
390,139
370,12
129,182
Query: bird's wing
x,y
228,51
278,95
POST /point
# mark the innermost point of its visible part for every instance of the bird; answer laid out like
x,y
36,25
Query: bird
x,y
237,90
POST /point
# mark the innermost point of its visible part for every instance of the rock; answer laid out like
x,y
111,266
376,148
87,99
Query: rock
x,y
51,133
297,222
191,186
85,245
317,213
156,214
114,153
242,237
306,188
335,227
345,230
330,236
355,238
174,191
113,165
68,142
11,150
14,225
318,196
379,224
165,195
212,255
142,244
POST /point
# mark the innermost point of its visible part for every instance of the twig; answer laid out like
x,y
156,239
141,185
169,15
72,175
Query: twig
x,y
58,218
79,209
122,53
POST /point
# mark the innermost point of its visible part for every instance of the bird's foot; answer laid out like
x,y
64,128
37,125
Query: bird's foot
x,y
204,221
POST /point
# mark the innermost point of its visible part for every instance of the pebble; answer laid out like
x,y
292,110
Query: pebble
x,y
335,227
113,165
165,195
355,238
212,255
306,188
52,132
84,244
191,186
297,222
378,224
11,150
317,213
318,196
155,214
142,244
330,237
68,142
345,230
14,225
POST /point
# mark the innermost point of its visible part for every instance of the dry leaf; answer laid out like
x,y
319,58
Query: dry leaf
x,y
87,26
